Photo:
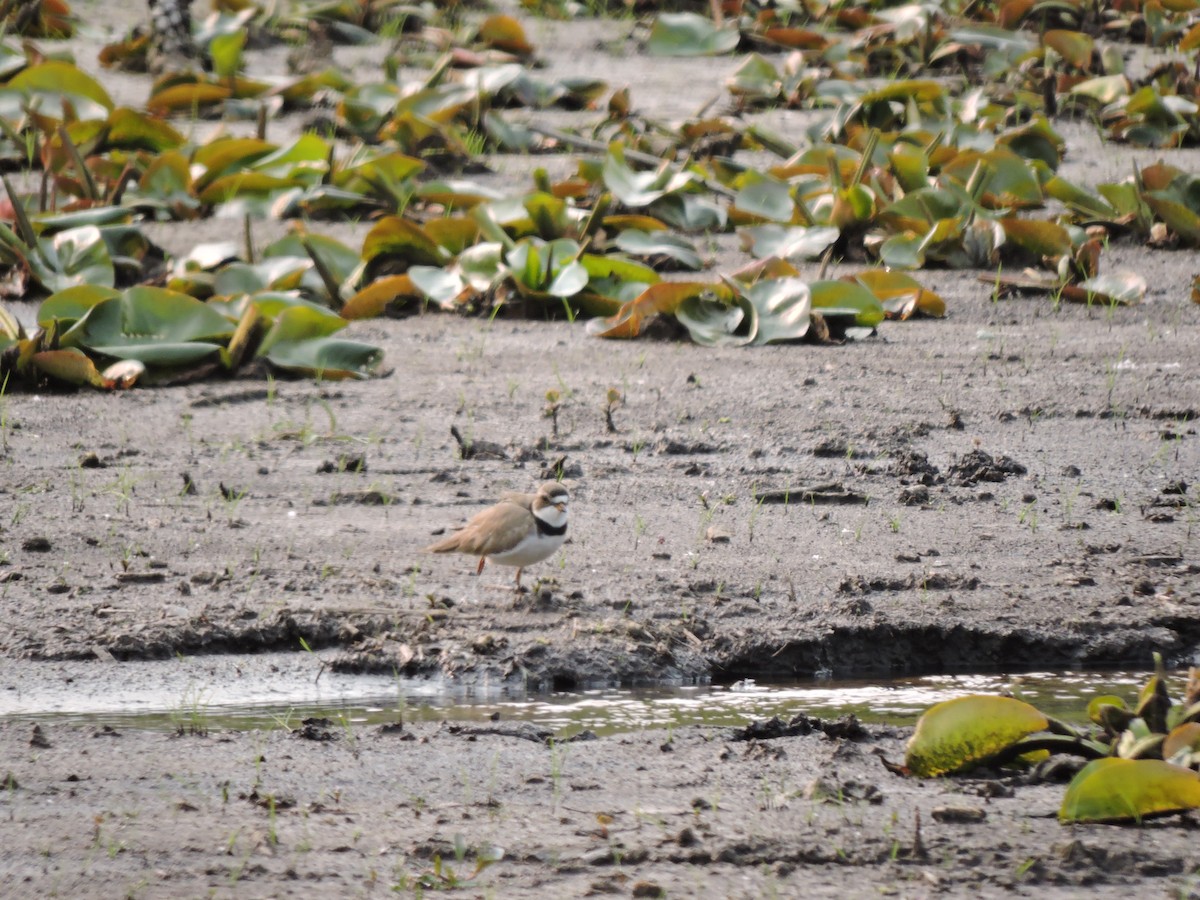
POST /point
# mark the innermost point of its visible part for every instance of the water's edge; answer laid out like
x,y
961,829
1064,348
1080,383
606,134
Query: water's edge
x,y
280,690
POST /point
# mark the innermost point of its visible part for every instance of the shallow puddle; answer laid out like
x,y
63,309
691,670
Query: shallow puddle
x,y
279,691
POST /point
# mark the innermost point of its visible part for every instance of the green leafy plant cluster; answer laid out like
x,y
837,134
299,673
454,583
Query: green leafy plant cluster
x,y
1142,761
932,145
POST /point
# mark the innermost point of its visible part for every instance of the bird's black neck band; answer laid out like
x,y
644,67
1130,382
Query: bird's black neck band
x,y
547,530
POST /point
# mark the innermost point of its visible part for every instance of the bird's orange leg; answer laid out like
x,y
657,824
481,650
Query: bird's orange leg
x,y
482,563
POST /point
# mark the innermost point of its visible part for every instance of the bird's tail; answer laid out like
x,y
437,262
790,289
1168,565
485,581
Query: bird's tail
x,y
445,545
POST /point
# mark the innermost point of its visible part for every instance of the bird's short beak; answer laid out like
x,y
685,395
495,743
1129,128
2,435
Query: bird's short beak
x,y
561,507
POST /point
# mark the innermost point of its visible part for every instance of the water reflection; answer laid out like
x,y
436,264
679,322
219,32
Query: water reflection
x,y
287,697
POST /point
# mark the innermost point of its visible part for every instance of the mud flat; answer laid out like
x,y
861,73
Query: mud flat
x,y
1012,487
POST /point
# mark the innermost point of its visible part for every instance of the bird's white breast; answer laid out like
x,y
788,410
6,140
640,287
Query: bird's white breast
x,y
532,548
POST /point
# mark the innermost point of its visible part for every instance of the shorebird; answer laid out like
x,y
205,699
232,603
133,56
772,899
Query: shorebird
x,y
520,530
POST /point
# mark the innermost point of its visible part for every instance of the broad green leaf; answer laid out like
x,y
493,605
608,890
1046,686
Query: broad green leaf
x,y
785,242
331,359
70,365
68,306
636,189
300,342
903,251
842,298
713,322
187,97
153,325
242,184
442,286
132,130
1124,790
689,34
1073,46
690,212
1105,89
77,256
1036,237
227,156
1079,200
376,297
394,236
767,198
225,51
553,268
52,82
784,308
958,734
481,264
660,243
1181,219
901,295
1007,179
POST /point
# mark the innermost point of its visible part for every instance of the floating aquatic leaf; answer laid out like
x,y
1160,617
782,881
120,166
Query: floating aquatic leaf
x,y
843,298
1105,89
68,306
1182,744
185,97
77,256
712,321
299,342
901,295
1037,238
403,240
766,198
71,366
784,310
157,326
958,734
661,244
637,189
442,286
689,34
1124,790
504,33
51,83
132,130
663,298
1073,46
225,51
788,242
376,297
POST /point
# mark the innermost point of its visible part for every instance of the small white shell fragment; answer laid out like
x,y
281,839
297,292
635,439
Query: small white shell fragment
x,y
125,373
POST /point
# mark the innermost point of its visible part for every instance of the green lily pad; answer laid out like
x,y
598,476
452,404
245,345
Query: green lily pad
x,y
660,243
712,321
299,342
1129,790
637,189
689,34
784,308
786,242
153,325
958,734
53,82
66,307
1037,238
71,366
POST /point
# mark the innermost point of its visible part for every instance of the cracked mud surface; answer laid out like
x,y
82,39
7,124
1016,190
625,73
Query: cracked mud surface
x,y
1013,487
